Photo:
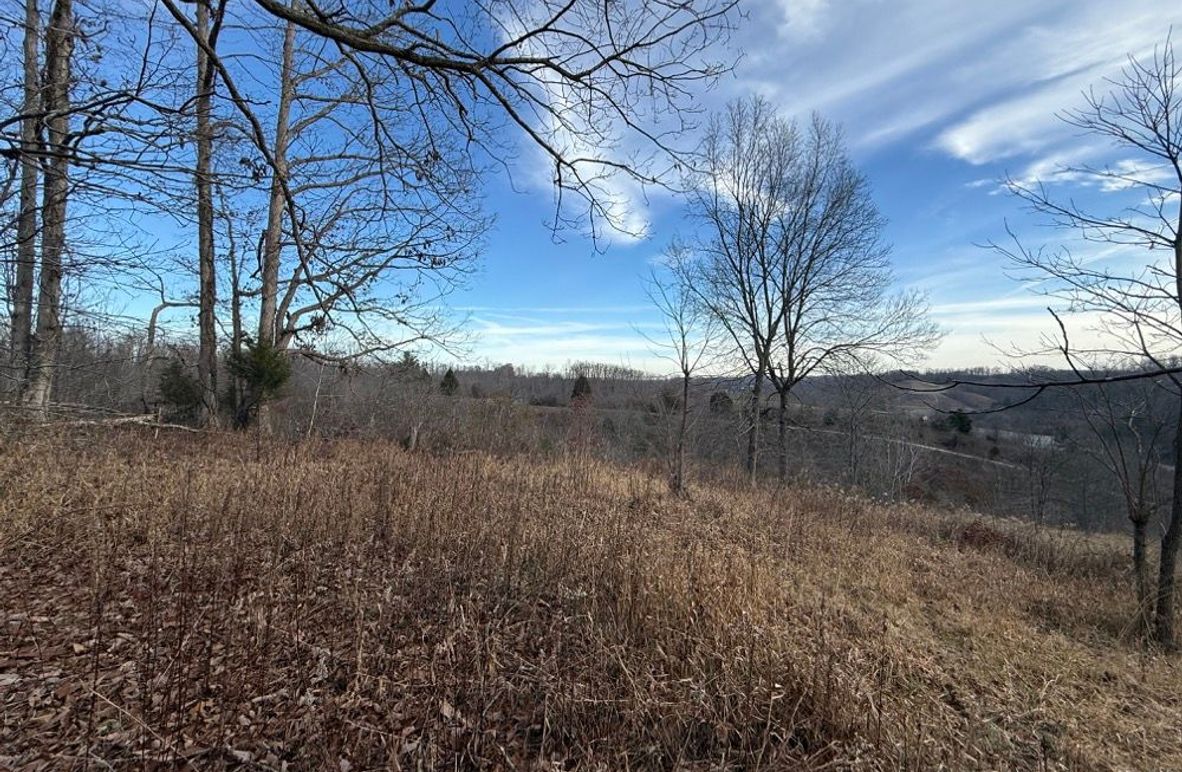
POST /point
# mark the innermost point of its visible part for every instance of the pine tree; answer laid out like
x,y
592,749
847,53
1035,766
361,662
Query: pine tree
x,y
178,389
450,385
959,421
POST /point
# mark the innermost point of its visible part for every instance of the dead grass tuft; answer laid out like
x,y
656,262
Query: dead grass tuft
x,y
979,536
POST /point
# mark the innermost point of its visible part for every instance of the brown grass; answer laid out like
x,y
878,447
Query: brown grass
x,y
208,602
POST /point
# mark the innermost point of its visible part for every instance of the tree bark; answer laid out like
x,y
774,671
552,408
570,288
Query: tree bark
x,y
273,236
268,334
149,352
1172,539
1141,573
239,400
782,450
1170,542
207,270
26,228
59,50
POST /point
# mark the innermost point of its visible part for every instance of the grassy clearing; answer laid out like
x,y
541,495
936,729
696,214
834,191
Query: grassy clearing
x,y
212,602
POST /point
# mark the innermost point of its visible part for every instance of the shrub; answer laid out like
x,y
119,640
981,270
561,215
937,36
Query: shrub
x,y
721,403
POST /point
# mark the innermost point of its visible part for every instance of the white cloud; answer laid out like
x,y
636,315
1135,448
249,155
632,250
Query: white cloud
x,y
1045,69
1008,331
883,68
947,312
1131,173
804,18
987,78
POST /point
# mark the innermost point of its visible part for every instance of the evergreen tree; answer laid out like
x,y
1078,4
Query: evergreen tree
x,y
959,421
450,385
409,368
179,389
263,369
582,391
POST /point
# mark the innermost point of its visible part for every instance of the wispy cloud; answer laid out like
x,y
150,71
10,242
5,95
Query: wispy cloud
x,y
804,19
552,336
594,310
1045,69
984,82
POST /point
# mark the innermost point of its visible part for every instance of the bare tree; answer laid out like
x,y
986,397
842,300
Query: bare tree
x,y
856,398
1128,425
795,267
272,237
689,341
56,102
1141,307
388,214
101,139
26,236
735,200
834,282
207,362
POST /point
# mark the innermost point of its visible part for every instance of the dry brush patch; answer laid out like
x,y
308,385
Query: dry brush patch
x,y
212,601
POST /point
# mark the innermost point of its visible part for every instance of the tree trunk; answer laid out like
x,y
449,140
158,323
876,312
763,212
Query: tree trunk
x,y
1141,573
268,334
682,429
239,402
1172,539
1167,569
782,450
753,429
26,227
207,361
59,50
149,353
273,236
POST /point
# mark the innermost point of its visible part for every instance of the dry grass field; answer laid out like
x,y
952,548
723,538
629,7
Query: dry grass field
x,y
212,602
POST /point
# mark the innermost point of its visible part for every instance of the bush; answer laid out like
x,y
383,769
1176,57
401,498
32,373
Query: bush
x,y
670,400
721,403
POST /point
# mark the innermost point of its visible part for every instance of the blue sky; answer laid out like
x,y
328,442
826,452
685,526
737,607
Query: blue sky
x,y
939,100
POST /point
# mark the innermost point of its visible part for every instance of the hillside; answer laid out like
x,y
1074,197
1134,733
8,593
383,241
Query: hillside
x,y
222,601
